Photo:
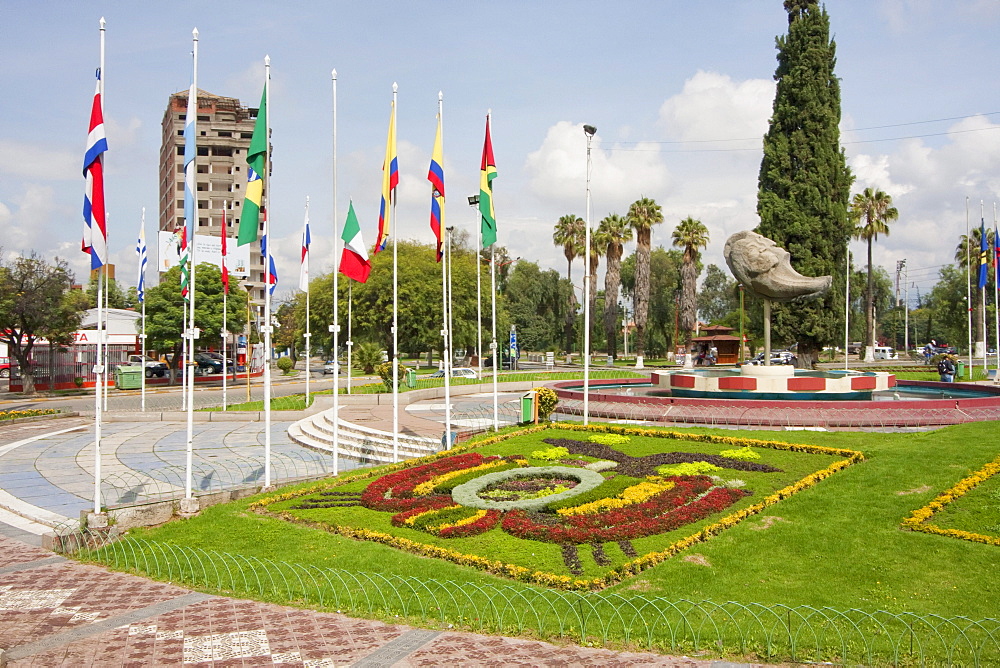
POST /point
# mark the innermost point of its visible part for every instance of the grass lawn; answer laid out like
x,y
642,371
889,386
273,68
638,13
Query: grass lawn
x,y
838,543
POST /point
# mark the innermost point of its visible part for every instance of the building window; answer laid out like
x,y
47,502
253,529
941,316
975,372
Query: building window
x,y
202,150
224,151
180,150
180,133
225,133
204,118
202,204
246,135
180,186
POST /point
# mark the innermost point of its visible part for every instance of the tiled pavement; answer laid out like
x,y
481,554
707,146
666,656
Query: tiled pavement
x,y
55,612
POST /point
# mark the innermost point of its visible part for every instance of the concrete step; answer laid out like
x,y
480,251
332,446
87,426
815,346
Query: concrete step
x,y
356,441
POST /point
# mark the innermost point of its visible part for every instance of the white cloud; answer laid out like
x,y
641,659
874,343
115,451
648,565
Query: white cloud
x,y
712,106
33,161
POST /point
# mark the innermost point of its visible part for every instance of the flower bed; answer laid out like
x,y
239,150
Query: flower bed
x,y
919,519
609,526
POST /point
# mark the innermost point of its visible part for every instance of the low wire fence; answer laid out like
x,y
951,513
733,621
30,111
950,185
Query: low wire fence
x,y
760,632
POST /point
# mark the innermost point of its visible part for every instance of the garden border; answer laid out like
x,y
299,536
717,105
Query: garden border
x,y
917,521
522,574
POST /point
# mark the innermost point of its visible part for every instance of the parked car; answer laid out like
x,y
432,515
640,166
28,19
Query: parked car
x,y
884,353
208,364
456,372
4,367
153,367
332,366
778,357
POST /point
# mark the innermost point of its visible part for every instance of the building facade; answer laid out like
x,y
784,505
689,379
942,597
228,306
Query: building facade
x,y
225,128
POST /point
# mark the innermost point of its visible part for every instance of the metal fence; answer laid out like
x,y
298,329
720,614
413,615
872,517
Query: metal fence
x,y
758,632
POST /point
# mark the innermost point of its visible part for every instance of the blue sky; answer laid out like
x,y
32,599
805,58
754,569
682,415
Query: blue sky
x,y
680,93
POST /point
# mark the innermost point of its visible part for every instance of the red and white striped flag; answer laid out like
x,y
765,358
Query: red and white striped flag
x,y
225,233
95,233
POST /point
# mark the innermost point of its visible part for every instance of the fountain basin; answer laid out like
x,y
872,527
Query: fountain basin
x,y
773,382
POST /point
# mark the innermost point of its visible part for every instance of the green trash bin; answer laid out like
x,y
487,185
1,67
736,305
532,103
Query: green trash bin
x,y
411,377
961,370
528,407
128,377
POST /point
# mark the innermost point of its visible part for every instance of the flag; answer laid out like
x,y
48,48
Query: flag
x,y
354,262
390,179
487,173
256,154
224,274
272,275
304,265
984,246
185,268
95,233
190,153
140,250
996,254
436,176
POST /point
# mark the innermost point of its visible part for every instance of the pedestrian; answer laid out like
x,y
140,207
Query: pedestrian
x,y
946,368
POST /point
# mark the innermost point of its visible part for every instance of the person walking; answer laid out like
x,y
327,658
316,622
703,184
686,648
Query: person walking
x,y
946,368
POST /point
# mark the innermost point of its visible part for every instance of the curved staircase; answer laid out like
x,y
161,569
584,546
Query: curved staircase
x,y
363,444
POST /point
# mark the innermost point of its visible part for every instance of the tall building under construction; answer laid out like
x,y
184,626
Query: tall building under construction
x,y
225,128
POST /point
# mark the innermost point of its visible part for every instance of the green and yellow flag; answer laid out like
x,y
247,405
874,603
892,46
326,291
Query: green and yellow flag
x,y
487,173
256,159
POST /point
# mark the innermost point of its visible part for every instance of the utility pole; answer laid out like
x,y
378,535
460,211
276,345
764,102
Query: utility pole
x,y
901,268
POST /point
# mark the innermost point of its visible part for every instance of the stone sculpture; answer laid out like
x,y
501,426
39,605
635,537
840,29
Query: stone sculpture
x,y
765,269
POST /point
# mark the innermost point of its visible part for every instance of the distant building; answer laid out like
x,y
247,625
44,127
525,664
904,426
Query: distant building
x,y
225,128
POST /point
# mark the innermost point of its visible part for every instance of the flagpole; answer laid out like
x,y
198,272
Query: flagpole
x,y
493,334
847,308
225,312
107,307
267,277
350,341
587,289
996,291
479,293
335,328
395,309
968,279
445,330
983,242
98,357
142,281
304,277
192,225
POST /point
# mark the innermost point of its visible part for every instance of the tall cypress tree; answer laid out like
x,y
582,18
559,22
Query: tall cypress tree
x,y
804,182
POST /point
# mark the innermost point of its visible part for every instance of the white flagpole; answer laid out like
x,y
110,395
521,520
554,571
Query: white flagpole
x,y
225,312
847,308
107,304
142,337
996,291
982,218
968,280
479,293
493,335
336,298
587,287
395,311
192,225
308,334
98,357
350,340
267,278
446,330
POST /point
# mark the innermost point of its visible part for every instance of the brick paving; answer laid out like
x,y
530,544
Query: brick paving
x,y
56,612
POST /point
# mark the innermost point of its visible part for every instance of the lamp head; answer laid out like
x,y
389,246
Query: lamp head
x,y
473,200
589,130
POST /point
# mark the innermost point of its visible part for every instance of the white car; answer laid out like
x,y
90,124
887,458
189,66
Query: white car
x,y
456,372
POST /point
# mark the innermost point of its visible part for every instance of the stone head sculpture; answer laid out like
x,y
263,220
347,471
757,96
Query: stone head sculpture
x,y
766,270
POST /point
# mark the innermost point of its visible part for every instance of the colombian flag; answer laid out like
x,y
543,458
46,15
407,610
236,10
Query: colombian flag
x,y
984,246
436,176
487,173
390,179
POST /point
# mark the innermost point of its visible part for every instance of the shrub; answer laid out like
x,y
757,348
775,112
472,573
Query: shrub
x,y
385,373
547,402
550,454
285,364
366,356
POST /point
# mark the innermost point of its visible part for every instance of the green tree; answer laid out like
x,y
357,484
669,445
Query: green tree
x,y
569,234
871,211
804,182
36,302
536,301
165,311
116,298
613,233
719,297
690,235
664,292
642,215
948,307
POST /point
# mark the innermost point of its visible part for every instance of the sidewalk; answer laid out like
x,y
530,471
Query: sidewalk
x,y
55,612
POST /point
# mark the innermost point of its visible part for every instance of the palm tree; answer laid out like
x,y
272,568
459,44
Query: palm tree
x,y
871,211
690,235
569,233
642,215
612,234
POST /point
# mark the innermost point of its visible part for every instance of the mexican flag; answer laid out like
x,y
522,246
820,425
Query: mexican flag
x,y
354,262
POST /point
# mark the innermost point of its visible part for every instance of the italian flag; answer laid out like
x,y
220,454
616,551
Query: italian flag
x,y
354,262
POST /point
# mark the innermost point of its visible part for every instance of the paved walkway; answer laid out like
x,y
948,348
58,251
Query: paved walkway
x,y
56,612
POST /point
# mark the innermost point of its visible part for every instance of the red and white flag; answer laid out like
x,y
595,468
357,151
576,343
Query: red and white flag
x,y
95,233
304,266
